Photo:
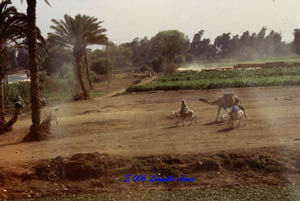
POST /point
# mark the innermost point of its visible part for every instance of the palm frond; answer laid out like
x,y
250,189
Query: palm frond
x,y
14,28
80,31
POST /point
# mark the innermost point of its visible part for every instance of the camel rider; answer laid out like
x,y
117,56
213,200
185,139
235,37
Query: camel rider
x,y
19,103
184,108
235,108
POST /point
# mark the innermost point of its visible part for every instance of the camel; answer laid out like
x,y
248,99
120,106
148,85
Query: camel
x,y
225,101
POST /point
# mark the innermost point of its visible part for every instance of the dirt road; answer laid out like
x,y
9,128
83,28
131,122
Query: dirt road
x,y
136,124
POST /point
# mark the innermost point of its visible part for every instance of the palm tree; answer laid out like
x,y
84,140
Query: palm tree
x,y
13,26
86,64
36,132
77,33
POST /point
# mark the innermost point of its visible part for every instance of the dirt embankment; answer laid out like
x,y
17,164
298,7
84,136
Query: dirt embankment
x,y
94,172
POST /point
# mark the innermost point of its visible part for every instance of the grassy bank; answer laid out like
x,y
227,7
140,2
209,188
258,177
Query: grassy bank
x,y
260,193
224,79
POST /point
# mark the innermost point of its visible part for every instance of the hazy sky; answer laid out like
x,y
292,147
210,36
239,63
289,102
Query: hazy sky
x,y
127,19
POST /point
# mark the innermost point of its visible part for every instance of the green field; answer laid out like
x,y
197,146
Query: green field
x,y
232,62
260,193
224,79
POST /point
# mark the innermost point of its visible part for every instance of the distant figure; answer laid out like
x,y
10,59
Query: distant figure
x,y
234,109
184,108
150,74
19,103
27,74
43,101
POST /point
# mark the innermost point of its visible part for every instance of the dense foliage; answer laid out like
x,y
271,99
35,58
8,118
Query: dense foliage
x,y
247,46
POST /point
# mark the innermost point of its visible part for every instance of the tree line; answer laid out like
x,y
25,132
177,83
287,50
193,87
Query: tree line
x,y
247,46
169,48
148,54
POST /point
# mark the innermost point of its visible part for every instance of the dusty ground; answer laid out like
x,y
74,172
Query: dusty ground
x,y
134,125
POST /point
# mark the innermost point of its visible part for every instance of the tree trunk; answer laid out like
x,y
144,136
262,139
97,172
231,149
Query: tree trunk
x,y
108,67
87,69
34,71
3,64
2,119
36,130
80,78
6,89
5,127
170,68
13,119
2,111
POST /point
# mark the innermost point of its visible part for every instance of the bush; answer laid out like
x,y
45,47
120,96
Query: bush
x,y
64,70
19,89
43,75
93,76
171,68
99,66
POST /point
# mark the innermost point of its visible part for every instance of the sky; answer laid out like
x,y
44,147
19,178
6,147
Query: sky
x,y
128,19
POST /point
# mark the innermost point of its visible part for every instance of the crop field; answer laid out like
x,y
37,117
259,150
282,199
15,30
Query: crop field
x,y
228,62
224,79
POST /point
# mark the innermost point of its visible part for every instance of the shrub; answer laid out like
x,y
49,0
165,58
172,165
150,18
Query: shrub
x,y
64,70
99,66
93,76
171,68
19,89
